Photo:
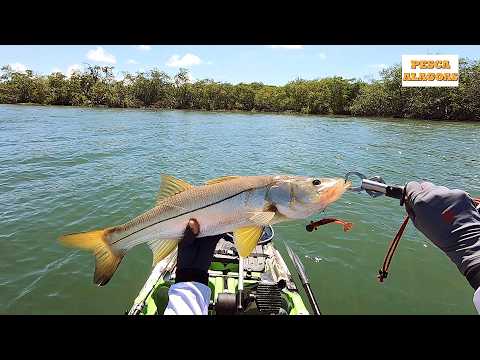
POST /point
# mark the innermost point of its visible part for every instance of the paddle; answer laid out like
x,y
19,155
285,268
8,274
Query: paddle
x,y
304,279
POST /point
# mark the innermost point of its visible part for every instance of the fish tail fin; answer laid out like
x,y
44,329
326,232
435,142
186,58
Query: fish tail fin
x,y
106,260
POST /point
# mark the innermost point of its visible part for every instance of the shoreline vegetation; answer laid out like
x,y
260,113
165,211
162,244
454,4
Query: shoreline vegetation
x,y
96,86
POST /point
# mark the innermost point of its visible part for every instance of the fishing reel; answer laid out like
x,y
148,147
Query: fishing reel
x,y
263,298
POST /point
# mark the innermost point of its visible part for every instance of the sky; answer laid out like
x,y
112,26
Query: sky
x,y
270,64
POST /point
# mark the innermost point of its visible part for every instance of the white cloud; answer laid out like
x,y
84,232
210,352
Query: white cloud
x,y
144,47
100,55
378,66
322,56
119,76
289,47
131,61
18,67
191,78
186,60
72,69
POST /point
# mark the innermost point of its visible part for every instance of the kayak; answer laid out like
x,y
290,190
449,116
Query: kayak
x,y
268,286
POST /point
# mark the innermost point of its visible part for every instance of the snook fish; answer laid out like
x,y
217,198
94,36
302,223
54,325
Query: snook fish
x,y
239,204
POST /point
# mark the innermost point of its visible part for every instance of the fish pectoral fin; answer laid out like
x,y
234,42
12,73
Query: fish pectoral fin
x,y
246,239
170,186
161,249
106,260
262,217
221,179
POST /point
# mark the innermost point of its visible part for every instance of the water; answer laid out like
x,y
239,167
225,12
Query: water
x,y
65,170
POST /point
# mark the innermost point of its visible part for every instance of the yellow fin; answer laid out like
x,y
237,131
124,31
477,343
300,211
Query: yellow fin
x,y
262,217
246,239
106,261
220,179
170,186
161,249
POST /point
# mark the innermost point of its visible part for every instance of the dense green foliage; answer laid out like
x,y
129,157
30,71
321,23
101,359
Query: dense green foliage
x,y
386,97
97,86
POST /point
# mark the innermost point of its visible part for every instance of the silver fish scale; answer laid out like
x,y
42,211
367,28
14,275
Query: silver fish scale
x,y
217,207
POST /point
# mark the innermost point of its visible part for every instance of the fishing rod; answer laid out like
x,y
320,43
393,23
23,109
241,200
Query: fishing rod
x,y
240,284
304,279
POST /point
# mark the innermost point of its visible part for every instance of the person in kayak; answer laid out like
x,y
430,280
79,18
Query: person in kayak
x,y
451,220
190,295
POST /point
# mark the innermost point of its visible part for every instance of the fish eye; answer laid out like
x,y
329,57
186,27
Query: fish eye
x,y
316,182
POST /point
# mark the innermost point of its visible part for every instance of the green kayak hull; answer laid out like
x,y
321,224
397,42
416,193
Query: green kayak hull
x,y
263,269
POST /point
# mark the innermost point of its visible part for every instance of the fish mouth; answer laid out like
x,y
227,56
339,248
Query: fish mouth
x,y
347,184
336,189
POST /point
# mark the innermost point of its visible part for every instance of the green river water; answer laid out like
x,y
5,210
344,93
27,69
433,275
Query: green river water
x,y
66,170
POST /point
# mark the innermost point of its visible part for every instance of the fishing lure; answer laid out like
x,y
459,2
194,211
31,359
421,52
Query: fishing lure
x,y
315,224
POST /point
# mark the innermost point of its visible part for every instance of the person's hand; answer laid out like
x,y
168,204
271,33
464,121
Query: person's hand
x,y
450,220
195,255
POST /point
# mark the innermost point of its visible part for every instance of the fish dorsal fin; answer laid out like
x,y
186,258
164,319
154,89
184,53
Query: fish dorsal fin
x,y
170,186
246,239
221,179
161,249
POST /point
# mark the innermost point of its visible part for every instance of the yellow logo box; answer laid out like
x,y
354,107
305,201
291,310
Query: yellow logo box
x,y
430,70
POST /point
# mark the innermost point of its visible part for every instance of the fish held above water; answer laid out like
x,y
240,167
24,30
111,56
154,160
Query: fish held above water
x,y
239,204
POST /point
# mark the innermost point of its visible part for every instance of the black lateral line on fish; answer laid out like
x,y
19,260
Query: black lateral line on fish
x,y
185,213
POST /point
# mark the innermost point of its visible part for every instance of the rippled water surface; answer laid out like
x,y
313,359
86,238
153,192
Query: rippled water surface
x,y
66,169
